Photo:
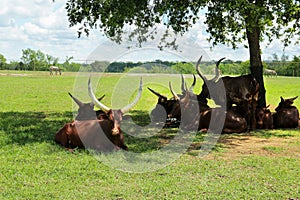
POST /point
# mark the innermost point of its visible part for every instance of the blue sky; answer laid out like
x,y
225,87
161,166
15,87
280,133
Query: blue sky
x,y
43,25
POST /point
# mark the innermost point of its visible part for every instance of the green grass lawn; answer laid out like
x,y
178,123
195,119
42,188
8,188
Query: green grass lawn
x,y
33,106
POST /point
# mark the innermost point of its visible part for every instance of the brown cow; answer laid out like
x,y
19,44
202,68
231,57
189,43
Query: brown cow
x,y
102,135
90,134
195,117
226,91
264,118
286,115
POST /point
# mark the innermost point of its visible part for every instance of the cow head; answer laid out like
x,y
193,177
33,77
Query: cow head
x,y
164,105
86,110
187,108
264,118
285,103
162,108
115,115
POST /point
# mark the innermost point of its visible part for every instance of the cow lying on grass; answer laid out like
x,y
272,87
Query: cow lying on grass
x,y
197,118
264,118
160,114
286,115
101,133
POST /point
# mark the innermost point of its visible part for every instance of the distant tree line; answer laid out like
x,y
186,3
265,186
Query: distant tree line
x,y
32,60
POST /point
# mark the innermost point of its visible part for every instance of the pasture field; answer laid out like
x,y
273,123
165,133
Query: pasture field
x,y
262,164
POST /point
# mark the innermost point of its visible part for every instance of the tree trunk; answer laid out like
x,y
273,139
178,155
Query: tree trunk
x,y
256,66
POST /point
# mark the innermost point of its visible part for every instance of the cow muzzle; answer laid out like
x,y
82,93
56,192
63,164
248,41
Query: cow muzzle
x,y
115,131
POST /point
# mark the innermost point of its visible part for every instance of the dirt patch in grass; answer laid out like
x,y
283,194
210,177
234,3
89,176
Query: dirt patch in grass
x,y
234,147
9,74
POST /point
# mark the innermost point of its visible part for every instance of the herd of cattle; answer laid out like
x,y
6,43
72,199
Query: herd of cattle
x,y
236,96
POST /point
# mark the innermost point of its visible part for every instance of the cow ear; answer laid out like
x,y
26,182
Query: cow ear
x,y
282,99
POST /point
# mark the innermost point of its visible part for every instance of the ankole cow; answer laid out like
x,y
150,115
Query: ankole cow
x,y
164,105
286,115
102,135
203,119
264,118
90,134
240,90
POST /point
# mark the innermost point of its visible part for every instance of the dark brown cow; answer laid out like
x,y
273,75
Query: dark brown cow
x,y
164,106
200,118
241,90
86,110
286,115
264,118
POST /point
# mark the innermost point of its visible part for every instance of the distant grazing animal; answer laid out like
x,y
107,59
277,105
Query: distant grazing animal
x,y
264,118
86,110
286,115
270,72
197,118
56,69
241,90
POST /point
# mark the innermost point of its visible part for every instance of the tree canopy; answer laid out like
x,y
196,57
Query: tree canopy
x,y
228,22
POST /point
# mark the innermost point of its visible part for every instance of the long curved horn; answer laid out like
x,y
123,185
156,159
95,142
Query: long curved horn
x,y
173,93
217,72
193,84
156,93
186,98
137,98
79,103
198,70
94,99
182,84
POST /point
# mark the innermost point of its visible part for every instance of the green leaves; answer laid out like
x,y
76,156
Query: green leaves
x,y
227,21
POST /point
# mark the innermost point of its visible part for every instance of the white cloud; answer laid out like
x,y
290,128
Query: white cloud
x,y
43,25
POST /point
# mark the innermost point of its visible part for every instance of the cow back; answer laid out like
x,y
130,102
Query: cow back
x,y
91,134
286,118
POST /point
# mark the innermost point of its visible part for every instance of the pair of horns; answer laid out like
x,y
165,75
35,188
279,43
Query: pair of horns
x,y
183,87
105,108
185,99
291,99
80,103
217,73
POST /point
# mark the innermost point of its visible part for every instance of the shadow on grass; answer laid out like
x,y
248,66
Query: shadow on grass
x,y
29,127
35,127
23,128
